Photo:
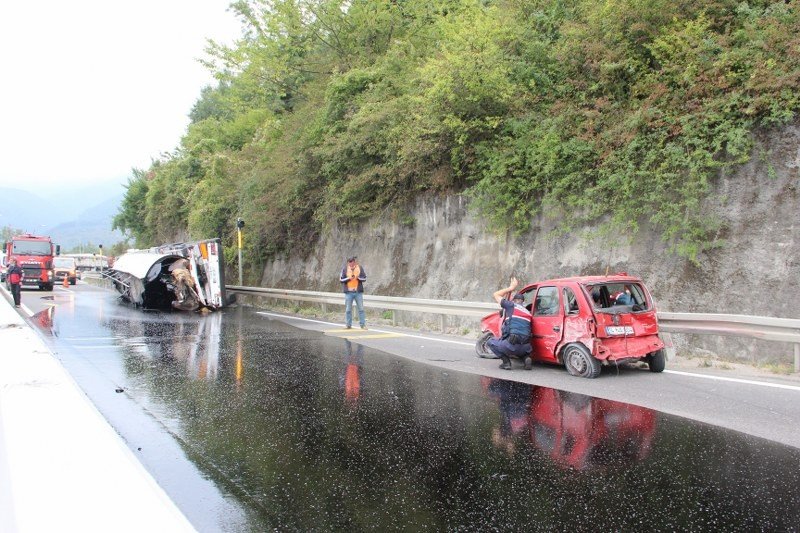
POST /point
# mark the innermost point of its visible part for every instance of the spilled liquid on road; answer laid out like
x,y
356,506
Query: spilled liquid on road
x,y
314,432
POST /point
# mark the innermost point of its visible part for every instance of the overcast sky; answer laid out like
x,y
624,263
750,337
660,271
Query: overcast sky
x,y
93,88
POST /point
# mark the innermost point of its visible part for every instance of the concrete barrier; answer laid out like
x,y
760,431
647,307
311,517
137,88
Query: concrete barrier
x,y
62,466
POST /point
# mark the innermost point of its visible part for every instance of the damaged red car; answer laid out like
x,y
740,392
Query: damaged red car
x,y
587,322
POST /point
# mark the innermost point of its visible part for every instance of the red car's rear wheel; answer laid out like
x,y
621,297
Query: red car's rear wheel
x,y
579,362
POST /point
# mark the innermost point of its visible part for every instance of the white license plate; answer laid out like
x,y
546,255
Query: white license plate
x,y
619,330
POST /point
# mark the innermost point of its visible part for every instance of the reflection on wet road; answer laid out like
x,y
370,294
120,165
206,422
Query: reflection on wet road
x,y
311,432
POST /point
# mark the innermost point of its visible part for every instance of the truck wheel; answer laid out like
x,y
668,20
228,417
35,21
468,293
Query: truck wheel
x,y
72,281
480,346
46,287
657,361
579,362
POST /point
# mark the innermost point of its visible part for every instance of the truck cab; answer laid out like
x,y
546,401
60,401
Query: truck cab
x,y
34,255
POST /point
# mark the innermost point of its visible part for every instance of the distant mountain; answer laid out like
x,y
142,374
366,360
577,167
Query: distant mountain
x,y
71,216
28,211
93,226
74,202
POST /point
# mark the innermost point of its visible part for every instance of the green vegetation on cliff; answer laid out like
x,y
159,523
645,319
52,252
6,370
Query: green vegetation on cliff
x,y
608,113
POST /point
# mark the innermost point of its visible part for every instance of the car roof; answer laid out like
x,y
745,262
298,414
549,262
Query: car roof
x,y
590,280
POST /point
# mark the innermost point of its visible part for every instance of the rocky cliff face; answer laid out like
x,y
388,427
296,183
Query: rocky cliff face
x,y
447,252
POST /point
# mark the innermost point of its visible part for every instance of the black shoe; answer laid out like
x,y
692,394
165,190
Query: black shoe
x,y
506,364
528,363
348,327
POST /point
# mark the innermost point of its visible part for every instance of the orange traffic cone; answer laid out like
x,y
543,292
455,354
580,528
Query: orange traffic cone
x,y
66,281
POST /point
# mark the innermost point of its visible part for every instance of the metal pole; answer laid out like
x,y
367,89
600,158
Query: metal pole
x,y
239,230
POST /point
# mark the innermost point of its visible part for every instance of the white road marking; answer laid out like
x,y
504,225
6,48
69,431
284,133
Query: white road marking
x,y
735,380
92,338
21,305
460,343
370,329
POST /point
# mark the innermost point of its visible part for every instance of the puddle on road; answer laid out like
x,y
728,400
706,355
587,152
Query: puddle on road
x,y
317,433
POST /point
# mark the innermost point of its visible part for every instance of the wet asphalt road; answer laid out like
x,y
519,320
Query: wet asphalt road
x,y
251,424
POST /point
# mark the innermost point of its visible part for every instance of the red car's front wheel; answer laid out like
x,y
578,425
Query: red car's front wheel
x,y
480,346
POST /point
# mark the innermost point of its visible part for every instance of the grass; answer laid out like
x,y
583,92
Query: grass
x,y
778,368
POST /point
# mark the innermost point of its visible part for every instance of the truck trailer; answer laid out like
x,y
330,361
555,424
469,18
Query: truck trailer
x,y
90,262
182,276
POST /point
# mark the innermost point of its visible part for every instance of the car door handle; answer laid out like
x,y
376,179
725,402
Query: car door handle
x,y
556,328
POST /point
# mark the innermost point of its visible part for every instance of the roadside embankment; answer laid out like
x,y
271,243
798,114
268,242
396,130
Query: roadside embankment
x,y
442,249
62,466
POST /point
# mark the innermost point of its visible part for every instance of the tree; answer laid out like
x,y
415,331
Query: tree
x,y
132,213
7,232
606,115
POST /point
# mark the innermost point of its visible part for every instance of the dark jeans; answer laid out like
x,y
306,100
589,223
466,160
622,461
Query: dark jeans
x,y
504,348
15,292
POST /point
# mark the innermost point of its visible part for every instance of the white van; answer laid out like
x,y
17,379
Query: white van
x,y
65,267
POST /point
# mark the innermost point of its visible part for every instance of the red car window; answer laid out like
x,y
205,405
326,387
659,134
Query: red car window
x,y
546,303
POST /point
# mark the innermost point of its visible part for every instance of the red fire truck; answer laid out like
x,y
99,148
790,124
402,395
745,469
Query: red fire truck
x,y
34,254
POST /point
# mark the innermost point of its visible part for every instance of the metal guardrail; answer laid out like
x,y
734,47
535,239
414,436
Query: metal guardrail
x,y
754,327
439,307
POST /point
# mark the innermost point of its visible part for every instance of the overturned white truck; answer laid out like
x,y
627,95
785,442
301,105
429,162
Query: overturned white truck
x,y
186,276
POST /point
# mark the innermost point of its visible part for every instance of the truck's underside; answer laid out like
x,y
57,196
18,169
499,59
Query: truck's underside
x,y
183,276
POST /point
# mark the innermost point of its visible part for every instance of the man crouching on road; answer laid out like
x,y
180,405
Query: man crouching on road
x,y
515,339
